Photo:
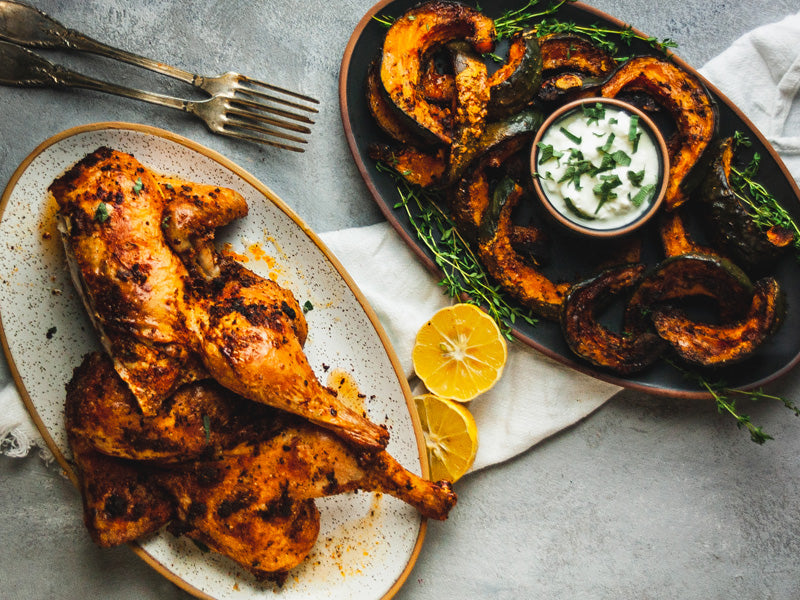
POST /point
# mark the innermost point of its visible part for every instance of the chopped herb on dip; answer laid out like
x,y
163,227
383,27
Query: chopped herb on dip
x,y
603,167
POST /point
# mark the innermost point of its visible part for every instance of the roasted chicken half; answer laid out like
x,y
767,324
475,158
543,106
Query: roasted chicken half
x,y
244,487
170,309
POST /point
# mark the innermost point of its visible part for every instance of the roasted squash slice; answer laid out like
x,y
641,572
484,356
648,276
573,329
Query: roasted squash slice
x,y
386,115
571,65
526,284
676,239
438,87
414,37
729,223
689,276
418,167
690,105
514,85
571,52
471,195
623,353
715,345
472,100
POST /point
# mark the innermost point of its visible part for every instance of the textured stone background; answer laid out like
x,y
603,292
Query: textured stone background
x,y
648,498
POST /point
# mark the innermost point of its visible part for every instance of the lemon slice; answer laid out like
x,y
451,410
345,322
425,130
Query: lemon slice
x,y
451,436
460,353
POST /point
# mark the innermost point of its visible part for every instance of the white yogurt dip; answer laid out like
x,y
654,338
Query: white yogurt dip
x,y
599,166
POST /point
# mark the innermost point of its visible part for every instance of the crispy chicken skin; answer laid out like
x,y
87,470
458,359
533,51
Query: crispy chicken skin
x,y
243,482
170,309
110,210
199,419
302,462
121,503
268,544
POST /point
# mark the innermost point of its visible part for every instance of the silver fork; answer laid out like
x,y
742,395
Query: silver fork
x,y
239,106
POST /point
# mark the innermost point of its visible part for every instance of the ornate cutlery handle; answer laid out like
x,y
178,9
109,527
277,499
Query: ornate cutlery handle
x,y
28,26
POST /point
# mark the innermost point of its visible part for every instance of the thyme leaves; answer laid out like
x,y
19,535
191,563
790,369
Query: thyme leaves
x,y
726,402
764,207
463,276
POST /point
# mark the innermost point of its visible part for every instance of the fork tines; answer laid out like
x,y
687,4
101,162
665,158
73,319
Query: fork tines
x,y
259,117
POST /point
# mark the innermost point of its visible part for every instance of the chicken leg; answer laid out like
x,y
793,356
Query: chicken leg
x,y
164,327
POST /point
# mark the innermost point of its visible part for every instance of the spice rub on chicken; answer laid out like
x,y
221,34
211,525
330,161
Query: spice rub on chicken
x,y
239,478
203,415
170,309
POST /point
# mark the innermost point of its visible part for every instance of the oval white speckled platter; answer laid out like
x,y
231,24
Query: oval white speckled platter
x,y
367,543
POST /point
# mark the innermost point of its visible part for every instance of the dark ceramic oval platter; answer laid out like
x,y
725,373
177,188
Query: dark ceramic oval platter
x,y
774,358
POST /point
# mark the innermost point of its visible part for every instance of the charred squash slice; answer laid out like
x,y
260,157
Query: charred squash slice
x,y
691,108
413,38
715,345
437,87
687,276
730,224
471,195
622,353
385,114
522,281
570,52
514,85
418,167
472,100
571,65
675,238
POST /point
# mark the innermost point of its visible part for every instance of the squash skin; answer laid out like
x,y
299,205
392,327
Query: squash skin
x,y
623,353
572,65
717,345
514,85
728,221
384,113
686,276
415,36
470,196
526,284
691,107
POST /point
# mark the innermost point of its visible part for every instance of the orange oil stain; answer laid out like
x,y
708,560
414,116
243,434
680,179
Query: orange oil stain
x,y
346,389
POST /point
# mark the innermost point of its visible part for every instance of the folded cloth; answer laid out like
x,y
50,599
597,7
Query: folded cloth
x,y
760,73
18,434
536,396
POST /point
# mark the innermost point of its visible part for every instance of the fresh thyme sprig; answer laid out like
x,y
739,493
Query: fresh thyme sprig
x,y
725,399
764,207
385,20
531,16
463,277
514,21
607,38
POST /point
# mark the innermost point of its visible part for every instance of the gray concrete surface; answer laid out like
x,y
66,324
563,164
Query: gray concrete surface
x,y
647,498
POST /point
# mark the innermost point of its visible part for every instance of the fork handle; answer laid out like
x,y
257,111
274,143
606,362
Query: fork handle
x,y
28,26
23,68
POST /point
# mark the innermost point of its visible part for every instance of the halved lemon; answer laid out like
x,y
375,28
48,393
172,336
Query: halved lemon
x,y
451,436
459,353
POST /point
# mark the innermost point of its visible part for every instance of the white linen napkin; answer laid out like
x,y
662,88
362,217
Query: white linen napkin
x,y
536,396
